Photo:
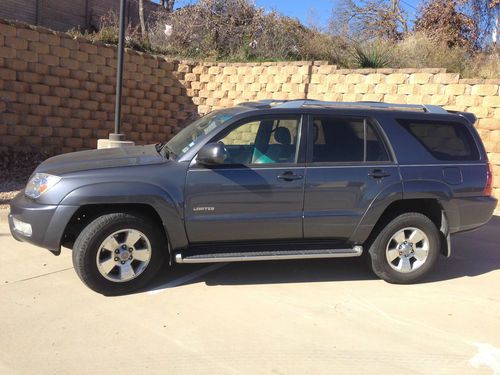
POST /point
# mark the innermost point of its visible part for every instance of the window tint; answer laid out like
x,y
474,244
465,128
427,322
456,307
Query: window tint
x,y
266,141
444,140
343,140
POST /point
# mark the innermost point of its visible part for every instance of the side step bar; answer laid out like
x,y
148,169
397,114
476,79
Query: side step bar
x,y
356,251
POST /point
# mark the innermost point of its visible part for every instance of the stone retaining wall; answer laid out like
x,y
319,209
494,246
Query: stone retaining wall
x,y
57,93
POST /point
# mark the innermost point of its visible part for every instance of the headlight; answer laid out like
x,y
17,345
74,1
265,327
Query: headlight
x,y
39,184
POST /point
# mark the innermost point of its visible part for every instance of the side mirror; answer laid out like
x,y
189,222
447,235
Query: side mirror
x,y
212,154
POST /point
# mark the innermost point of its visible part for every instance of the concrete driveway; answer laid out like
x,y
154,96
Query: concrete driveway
x,y
287,317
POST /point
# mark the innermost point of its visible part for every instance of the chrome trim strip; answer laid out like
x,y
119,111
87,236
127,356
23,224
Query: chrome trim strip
x,y
356,251
442,165
246,168
381,165
353,166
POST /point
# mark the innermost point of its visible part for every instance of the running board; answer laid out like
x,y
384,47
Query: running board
x,y
356,251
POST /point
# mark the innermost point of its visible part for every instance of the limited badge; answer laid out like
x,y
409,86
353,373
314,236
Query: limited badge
x,y
203,209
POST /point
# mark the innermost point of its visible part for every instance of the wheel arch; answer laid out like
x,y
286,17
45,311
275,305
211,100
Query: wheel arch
x,y
144,198
87,213
430,207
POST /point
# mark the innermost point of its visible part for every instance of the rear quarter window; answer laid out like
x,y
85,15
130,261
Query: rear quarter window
x,y
445,140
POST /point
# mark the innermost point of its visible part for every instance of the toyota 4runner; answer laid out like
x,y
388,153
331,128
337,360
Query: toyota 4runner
x,y
262,181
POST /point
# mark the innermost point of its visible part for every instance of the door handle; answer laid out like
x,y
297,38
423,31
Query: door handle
x,y
378,173
289,176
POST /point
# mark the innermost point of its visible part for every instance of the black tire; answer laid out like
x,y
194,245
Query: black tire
x,y
90,239
377,251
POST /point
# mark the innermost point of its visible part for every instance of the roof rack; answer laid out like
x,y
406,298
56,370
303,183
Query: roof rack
x,y
299,103
266,103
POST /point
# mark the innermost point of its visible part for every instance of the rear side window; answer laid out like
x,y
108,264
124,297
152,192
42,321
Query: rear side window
x,y
346,140
444,140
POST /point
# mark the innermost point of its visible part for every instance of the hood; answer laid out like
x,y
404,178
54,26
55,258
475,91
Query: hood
x,y
99,159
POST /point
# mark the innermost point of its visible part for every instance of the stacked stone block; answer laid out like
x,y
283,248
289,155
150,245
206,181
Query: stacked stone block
x,y
220,85
57,93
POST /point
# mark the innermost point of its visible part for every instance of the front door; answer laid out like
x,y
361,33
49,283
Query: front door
x,y
257,194
349,166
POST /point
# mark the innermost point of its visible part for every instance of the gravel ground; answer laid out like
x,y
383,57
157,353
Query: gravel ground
x,y
9,189
6,196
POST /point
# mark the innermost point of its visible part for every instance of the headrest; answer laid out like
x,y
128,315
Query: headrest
x,y
282,135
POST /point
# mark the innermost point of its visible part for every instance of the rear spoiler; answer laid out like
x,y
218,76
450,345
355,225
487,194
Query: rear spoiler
x,y
469,116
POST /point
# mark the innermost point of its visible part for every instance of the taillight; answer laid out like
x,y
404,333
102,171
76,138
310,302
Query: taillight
x,y
488,189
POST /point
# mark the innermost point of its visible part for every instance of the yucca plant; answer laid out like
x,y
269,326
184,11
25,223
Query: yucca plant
x,y
371,55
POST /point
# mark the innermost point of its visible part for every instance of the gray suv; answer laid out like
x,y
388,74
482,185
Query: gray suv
x,y
262,181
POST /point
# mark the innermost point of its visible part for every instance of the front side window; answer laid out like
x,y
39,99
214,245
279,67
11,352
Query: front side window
x,y
344,140
263,141
191,135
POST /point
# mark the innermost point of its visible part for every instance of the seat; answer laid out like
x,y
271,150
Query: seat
x,y
281,152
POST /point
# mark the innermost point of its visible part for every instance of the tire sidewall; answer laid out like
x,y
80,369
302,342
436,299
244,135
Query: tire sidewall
x,y
377,251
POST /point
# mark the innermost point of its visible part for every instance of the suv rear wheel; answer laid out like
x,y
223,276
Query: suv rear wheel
x,y
118,253
406,249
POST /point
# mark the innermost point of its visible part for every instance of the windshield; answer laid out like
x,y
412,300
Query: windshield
x,y
189,137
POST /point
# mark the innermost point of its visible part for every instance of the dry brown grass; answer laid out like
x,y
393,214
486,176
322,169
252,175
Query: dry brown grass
x,y
484,65
236,30
420,51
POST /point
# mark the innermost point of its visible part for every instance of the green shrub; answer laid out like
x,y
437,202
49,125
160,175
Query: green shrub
x,y
372,55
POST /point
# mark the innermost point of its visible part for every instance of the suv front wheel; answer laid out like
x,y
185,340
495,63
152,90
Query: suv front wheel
x,y
119,253
406,249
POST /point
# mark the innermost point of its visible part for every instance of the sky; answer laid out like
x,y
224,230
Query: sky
x,y
317,12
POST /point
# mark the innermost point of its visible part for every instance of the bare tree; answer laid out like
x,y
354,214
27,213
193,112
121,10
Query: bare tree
x,y
496,25
443,20
370,19
485,14
399,15
141,20
168,5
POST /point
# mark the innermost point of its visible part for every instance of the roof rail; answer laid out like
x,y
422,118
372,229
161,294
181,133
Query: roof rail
x,y
379,105
266,103
299,103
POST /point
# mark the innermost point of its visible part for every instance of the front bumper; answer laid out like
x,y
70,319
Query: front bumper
x,y
48,222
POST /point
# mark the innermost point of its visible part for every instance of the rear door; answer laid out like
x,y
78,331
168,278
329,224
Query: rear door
x,y
349,164
257,194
